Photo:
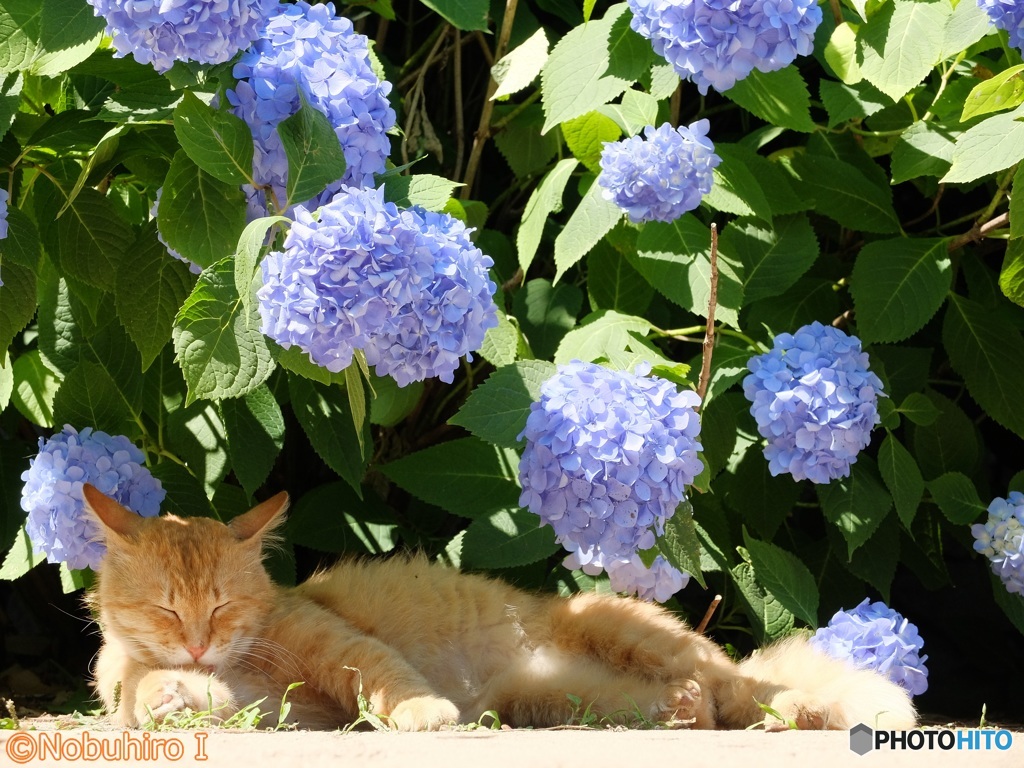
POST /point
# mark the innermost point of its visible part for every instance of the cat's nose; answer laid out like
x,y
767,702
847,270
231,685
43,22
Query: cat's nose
x,y
195,651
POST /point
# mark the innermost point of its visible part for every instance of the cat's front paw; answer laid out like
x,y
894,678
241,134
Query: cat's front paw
x,y
683,705
424,713
162,692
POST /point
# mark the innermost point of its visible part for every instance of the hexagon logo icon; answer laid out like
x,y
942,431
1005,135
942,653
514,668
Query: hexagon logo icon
x,y
862,739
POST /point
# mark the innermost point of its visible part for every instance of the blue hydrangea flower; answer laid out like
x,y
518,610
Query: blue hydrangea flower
x,y
815,400
717,42
608,457
1008,15
4,197
662,176
450,315
1001,540
52,496
309,49
343,278
631,576
194,268
160,33
873,636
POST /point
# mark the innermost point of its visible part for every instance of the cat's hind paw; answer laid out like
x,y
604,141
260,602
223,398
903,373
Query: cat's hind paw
x,y
163,692
683,705
424,713
797,708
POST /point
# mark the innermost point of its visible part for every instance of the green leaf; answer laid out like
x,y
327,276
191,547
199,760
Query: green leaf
x,y
507,538
34,389
545,200
88,396
1004,90
46,38
218,142
770,175
149,288
919,409
968,24
424,190
841,54
186,495
901,43
737,190
876,561
769,619
21,246
546,313
326,417
780,98
613,283
851,102
463,14
764,501
331,518
574,81
247,255
856,504
989,355
20,558
924,149
898,286
392,403
6,380
315,156
676,259
599,334
525,149
255,432
843,193
786,577
591,221
500,342
466,477
199,216
950,444
585,136
295,360
679,544
197,435
636,111
992,145
17,300
808,300
496,411
217,343
1017,206
773,258
520,67
902,477
957,498
1011,277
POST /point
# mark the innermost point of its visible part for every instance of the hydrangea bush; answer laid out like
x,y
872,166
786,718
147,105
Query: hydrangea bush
x,y
744,275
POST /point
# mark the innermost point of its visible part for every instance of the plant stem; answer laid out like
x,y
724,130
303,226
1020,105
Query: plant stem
x,y
837,11
702,627
709,334
460,126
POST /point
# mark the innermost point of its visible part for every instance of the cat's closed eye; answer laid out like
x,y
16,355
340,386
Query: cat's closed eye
x,y
168,612
220,608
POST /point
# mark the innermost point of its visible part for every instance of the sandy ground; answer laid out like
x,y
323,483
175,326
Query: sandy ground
x,y
485,749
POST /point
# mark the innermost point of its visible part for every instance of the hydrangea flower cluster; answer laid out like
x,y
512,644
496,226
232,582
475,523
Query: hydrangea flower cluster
x,y
52,496
408,287
194,268
450,315
160,33
309,50
662,176
1001,540
4,197
631,576
815,400
717,42
874,636
608,457
1008,15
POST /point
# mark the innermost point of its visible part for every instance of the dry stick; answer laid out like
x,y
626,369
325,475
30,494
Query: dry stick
x,y
483,131
980,232
460,127
417,94
708,614
709,335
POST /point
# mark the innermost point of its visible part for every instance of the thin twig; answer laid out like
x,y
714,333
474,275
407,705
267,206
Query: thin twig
x,y
460,126
979,233
382,34
488,56
837,12
702,627
709,335
416,95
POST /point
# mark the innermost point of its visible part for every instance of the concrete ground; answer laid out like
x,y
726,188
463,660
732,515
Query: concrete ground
x,y
488,749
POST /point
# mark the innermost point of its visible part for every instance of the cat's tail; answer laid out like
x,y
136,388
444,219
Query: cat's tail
x,y
804,685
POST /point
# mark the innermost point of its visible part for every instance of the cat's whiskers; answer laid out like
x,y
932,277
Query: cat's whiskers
x,y
267,651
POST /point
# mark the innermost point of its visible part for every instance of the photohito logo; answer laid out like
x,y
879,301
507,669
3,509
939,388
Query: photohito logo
x,y
864,739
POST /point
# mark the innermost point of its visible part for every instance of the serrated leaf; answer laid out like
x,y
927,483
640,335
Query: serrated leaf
x,y
949,444
186,493
902,477
218,142
88,396
199,216
844,193
786,577
919,409
520,67
770,175
315,156
636,111
898,286
546,313
990,146
20,558
737,190
968,24
769,619
856,504
1011,276
923,149
500,343
599,334
957,498
773,258
496,411
217,343
462,14
392,403
613,283
841,53
1004,90
255,432
592,220
901,43
295,360
545,200
780,98
1017,206
586,135
149,288
850,102
21,246
505,539
810,299
247,254
424,190
526,150
989,355
34,389
326,418
6,380
679,544
466,477
17,300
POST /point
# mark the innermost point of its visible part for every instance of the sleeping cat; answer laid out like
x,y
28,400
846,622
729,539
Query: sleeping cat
x,y
190,616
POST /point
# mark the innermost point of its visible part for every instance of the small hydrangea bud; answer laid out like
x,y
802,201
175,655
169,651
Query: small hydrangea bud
x,y
1008,15
662,176
57,522
1001,540
873,636
815,400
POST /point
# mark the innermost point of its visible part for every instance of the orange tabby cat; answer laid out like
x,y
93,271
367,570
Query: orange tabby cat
x,y
189,616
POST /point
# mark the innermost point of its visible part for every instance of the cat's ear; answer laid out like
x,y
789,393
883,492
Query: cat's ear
x,y
114,517
261,519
